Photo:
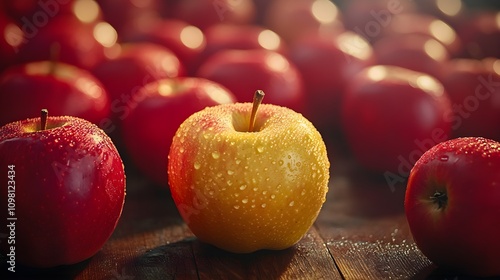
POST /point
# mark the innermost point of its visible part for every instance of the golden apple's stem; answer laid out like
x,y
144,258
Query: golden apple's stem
x,y
257,100
43,119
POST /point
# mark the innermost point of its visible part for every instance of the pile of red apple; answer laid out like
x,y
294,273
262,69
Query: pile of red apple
x,y
393,78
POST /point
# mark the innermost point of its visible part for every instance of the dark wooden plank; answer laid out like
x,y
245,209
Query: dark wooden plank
x,y
308,259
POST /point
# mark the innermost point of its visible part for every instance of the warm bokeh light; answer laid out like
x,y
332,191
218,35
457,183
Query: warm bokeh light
x,y
165,88
429,84
443,32
86,10
324,11
377,73
170,66
449,7
277,62
218,94
435,50
496,66
105,34
113,51
269,40
354,45
192,37
89,88
13,35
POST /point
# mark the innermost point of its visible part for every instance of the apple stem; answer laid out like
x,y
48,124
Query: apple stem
x,y
440,198
43,119
257,100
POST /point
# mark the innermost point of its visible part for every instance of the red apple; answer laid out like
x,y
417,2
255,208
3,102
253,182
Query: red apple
x,y
391,115
241,70
480,34
132,67
64,190
204,13
245,179
326,65
474,89
416,52
294,19
184,40
61,88
415,23
241,37
452,205
160,109
81,44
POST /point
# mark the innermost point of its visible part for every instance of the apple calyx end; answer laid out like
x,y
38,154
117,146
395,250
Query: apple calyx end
x,y
257,100
44,113
440,199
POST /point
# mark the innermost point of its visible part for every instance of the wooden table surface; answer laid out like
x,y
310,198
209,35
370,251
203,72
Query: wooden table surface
x,y
361,233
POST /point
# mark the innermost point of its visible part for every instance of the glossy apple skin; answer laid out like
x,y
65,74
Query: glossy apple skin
x,y
326,64
186,41
244,71
387,109
69,189
202,13
463,235
245,191
161,108
136,65
77,44
240,37
473,87
61,88
416,52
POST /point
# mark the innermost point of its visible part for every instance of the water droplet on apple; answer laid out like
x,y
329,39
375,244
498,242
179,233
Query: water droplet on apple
x,y
263,205
215,155
291,203
236,207
444,158
230,172
197,165
181,150
280,163
273,196
210,192
242,187
229,182
260,149
244,200
237,161
255,189
264,192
